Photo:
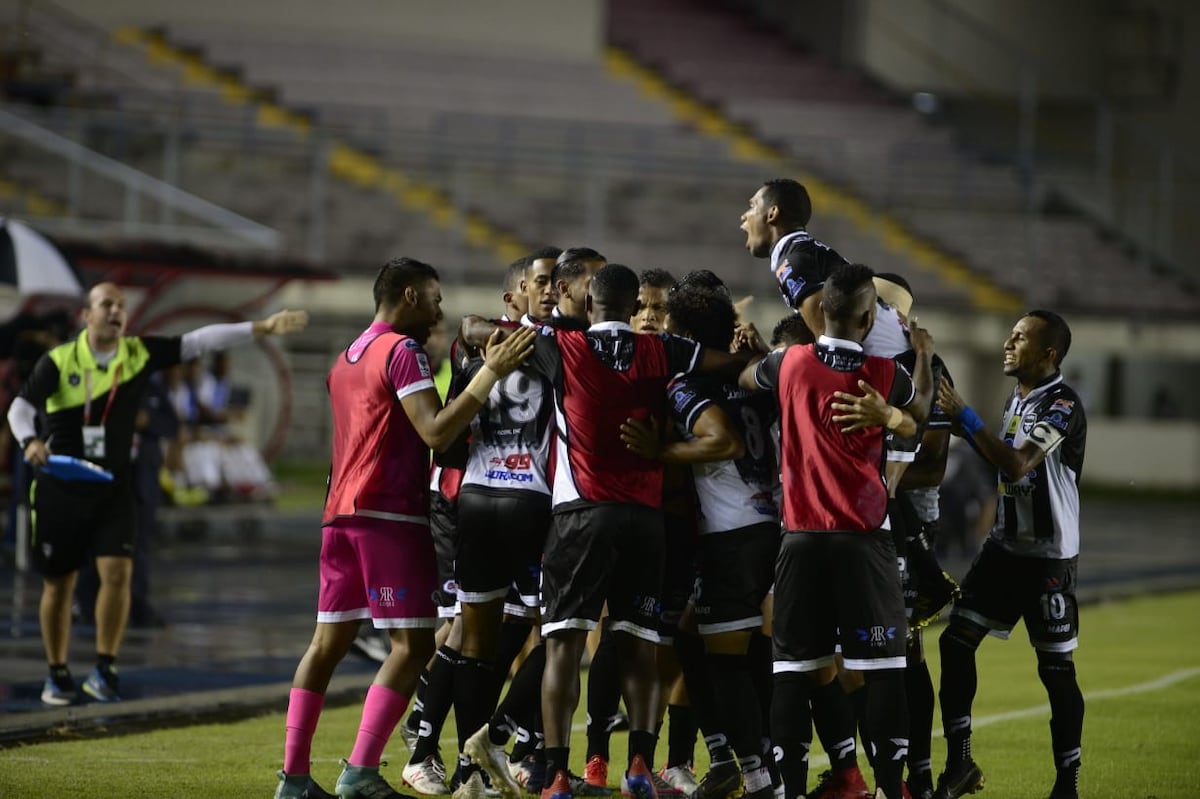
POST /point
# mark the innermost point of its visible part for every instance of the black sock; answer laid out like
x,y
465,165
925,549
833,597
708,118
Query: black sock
x,y
887,717
833,717
919,687
689,649
413,722
439,697
762,662
1066,719
681,735
791,730
858,701
475,689
957,692
518,712
557,759
643,742
604,694
106,663
737,704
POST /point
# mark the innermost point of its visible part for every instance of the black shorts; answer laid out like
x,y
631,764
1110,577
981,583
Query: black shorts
x,y
612,552
679,573
1001,588
73,520
838,586
501,535
736,570
443,525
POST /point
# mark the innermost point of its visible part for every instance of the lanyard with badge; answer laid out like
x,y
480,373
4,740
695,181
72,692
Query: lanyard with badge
x,y
93,434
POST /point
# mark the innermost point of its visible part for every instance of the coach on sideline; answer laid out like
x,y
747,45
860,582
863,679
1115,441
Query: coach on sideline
x,y
90,390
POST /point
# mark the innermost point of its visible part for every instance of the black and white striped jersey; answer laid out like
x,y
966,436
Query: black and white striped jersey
x,y
1038,515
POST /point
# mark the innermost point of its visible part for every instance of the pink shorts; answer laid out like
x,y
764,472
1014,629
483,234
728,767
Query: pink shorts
x,y
377,569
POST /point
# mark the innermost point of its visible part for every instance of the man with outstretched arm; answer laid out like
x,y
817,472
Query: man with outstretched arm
x,y
90,389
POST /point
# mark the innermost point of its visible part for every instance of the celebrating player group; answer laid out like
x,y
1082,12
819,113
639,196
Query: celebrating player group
x,y
746,524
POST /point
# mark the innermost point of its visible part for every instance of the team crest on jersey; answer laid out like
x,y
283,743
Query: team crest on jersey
x,y
1057,420
73,379
682,398
423,364
1027,422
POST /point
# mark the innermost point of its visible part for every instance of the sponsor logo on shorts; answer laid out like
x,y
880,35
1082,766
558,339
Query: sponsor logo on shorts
x,y
386,596
877,636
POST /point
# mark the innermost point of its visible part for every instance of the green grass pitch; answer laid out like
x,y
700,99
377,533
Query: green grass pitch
x,y
1139,667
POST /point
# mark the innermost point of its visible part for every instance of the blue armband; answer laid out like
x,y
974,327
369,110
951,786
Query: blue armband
x,y
970,421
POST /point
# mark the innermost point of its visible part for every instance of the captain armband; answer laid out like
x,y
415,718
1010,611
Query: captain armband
x,y
481,384
970,421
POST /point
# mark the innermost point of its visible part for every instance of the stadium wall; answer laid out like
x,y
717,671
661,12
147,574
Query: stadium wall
x,y
572,30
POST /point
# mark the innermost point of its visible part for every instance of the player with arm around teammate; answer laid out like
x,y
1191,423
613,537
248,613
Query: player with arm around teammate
x,y
377,557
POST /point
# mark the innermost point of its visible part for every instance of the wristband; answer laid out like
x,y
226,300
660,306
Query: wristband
x,y
895,418
26,441
481,384
970,421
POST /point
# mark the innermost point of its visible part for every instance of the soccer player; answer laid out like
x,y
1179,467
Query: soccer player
x,y
1028,565
377,558
571,276
913,510
655,286
836,579
516,303
90,390
503,519
775,226
606,538
726,440
538,286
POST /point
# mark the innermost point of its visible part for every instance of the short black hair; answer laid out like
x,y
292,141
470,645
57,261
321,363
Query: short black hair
x,y
570,263
703,279
845,281
516,273
792,200
791,330
549,251
706,316
657,278
397,275
1056,333
615,286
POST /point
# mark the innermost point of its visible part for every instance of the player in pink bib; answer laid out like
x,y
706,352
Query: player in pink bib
x,y
377,557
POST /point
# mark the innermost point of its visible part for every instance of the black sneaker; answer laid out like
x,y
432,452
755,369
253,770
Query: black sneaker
x,y
958,780
722,781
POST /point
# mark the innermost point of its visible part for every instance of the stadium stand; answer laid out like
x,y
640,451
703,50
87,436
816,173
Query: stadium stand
x,y
849,131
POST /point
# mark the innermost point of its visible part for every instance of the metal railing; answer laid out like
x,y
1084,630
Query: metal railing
x,y
217,225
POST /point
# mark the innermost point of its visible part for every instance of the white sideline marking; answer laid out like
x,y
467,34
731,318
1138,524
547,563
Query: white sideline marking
x,y
1165,681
